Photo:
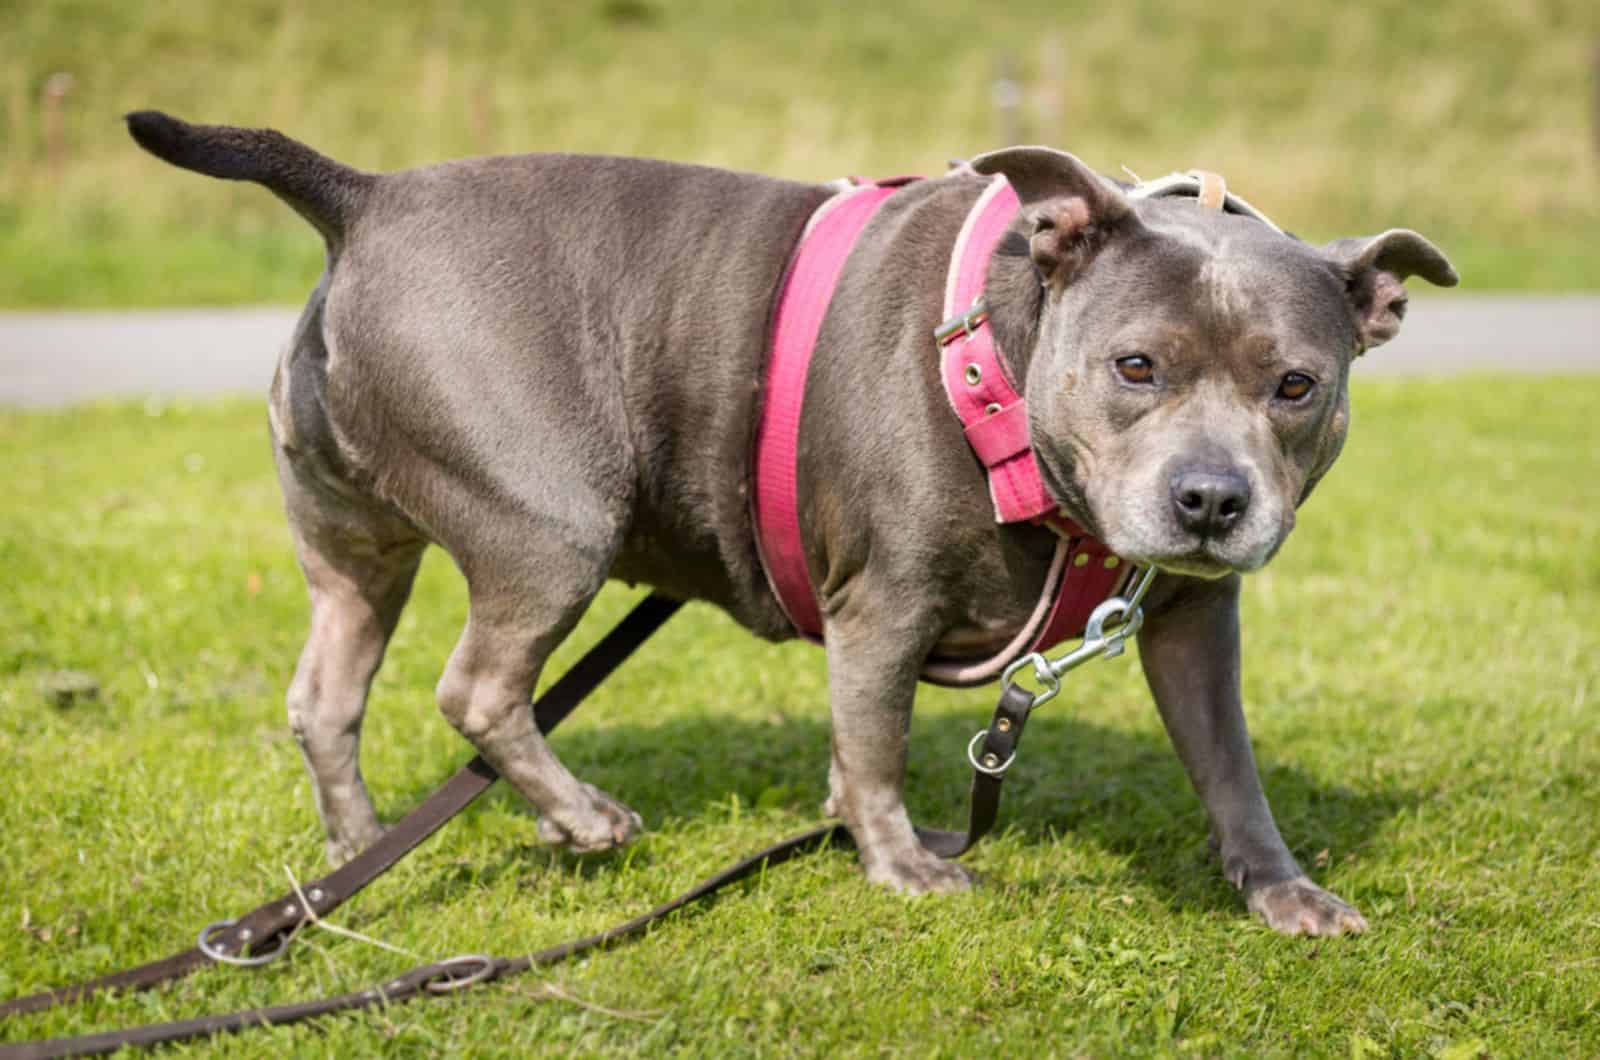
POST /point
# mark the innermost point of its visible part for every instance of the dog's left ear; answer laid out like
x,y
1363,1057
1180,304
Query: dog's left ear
x,y
1068,207
1376,269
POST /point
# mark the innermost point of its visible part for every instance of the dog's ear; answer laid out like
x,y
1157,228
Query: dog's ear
x,y
1375,271
1069,208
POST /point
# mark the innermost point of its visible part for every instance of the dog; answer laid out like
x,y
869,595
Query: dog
x,y
550,365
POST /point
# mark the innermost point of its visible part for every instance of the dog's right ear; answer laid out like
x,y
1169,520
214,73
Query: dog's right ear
x,y
1069,208
1376,269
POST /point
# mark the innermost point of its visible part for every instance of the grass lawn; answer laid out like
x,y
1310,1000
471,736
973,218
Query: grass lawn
x,y
1422,669
1470,121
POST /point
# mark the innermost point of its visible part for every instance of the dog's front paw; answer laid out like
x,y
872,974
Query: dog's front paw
x,y
345,847
1300,907
917,872
597,823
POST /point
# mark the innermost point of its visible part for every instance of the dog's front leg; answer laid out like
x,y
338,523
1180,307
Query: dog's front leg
x,y
874,657
1189,648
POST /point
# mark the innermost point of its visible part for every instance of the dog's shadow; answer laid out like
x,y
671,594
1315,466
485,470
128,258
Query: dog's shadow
x,y
1085,782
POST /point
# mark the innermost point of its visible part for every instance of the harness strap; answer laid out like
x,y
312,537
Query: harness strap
x,y
975,380
803,300
1212,194
994,418
993,415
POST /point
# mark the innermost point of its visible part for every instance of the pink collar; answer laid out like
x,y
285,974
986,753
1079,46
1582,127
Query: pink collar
x,y
992,412
975,379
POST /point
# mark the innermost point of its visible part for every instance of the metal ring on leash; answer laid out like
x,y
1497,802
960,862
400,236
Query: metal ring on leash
x,y
972,756
445,980
204,945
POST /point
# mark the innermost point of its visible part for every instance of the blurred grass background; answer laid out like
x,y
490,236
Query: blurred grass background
x,y
1472,122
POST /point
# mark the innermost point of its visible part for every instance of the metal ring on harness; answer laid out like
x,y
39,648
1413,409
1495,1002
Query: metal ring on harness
x,y
446,980
204,945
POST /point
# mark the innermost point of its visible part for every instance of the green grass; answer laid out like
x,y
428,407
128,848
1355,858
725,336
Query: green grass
x,y
1469,121
1422,673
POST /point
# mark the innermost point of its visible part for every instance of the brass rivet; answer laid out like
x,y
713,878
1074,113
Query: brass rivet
x,y
991,408
1111,562
990,761
1081,559
973,375
1004,724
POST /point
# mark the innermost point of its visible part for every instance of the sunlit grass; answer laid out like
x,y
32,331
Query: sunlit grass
x,y
1422,665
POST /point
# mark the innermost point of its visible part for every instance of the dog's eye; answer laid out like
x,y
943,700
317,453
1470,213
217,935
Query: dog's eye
x,y
1295,386
1137,369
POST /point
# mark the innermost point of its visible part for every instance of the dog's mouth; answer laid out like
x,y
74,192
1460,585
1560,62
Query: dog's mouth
x,y
1145,532
1195,566
1206,559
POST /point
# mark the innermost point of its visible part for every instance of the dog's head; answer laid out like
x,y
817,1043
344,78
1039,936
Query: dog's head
x,y
1187,377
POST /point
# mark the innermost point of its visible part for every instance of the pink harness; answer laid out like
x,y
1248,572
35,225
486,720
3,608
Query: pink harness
x,y
995,417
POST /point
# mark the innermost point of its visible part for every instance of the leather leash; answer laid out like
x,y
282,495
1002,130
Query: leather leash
x,y
264,933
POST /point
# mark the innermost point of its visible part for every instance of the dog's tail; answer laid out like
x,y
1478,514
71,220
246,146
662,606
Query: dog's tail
x,y
323,191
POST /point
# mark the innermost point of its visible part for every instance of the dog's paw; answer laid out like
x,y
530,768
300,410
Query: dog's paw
x,y
1300,907
342,848
918,872
598,823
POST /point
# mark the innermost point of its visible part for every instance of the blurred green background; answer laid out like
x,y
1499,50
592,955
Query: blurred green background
x,y
1472,122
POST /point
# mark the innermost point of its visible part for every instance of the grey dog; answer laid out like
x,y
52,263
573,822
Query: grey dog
x,y
549,365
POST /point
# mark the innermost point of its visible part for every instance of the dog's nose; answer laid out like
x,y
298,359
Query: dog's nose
x,y
1209,502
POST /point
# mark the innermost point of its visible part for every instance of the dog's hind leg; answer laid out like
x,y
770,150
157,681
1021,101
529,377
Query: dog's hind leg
x,y
359,565
530,577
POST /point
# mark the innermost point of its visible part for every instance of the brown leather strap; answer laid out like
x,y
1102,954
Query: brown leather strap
x,y
992,760
439,977
265,926
1213,193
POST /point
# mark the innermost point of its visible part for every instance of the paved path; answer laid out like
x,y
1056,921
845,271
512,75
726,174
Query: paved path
x,y
51,359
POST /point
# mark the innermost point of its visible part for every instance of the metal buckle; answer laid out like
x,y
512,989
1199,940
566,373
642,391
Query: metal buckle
x,y
204,945
966,323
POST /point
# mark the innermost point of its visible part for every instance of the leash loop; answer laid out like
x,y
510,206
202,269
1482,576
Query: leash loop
x,y
204,944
